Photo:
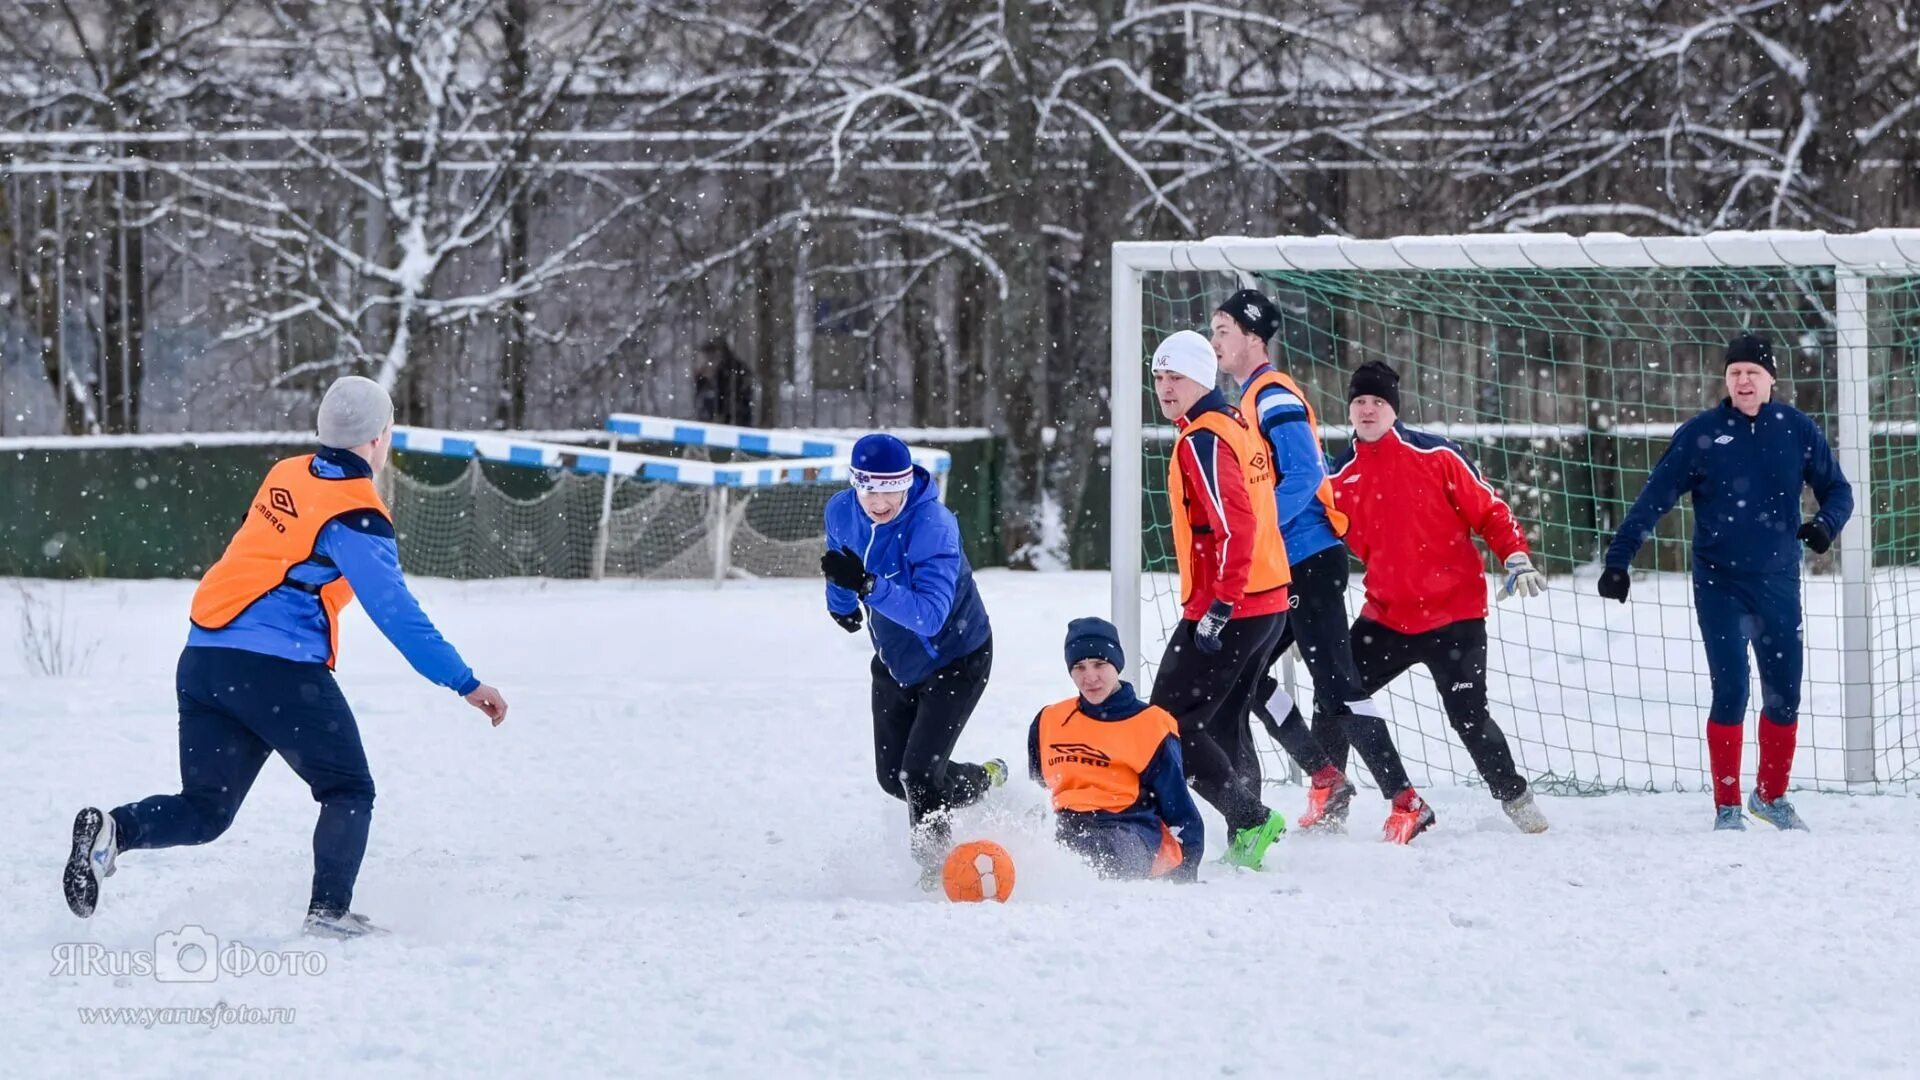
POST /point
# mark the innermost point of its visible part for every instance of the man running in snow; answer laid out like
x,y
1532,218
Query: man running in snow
x,y
1311,526
1413,503
256,677
894,560
1112,763
1233,590
1744,462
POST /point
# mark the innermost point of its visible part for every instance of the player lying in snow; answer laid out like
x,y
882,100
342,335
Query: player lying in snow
x,y
893,553
1744,462
1113,765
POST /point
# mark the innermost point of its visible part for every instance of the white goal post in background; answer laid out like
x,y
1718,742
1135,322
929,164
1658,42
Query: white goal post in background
x,y
1495,337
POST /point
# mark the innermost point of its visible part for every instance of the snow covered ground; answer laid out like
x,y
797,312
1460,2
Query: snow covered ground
x,y
673,861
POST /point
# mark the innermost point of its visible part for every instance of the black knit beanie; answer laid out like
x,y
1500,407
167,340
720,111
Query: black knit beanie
x,y
1374,378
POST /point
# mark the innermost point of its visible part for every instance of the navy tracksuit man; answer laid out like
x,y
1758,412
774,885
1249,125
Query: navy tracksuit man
x,y
1744,463
256,677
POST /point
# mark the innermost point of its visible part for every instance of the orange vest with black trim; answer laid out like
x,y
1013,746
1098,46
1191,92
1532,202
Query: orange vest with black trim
x,y
1269,570
1249,406
1093,766
279,533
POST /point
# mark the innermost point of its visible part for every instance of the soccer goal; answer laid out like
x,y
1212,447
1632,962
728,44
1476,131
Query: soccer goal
x,y
708,501
1563,364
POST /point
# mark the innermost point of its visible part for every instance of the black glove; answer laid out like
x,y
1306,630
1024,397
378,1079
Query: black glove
x,y
850,622
1206,633
1816,537
845,569
1614,584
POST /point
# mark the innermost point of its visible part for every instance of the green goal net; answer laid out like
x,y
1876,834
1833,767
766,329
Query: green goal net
x,y
1564,385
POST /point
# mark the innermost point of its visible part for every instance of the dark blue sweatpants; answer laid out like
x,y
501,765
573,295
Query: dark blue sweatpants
x,y
237,707
1115,848
1757,610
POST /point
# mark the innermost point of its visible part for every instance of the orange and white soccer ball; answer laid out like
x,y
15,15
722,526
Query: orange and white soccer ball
x,y
978,870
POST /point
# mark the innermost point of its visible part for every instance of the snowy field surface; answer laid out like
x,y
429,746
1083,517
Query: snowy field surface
x,y
673,860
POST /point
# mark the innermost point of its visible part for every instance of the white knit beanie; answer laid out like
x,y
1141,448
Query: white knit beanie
x,y
1187,353
355,412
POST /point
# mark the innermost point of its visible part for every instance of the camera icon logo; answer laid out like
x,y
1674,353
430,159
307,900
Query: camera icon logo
x,y
189,955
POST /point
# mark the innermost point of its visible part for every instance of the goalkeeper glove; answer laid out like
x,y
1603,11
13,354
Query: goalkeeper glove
x,y
1522,579
1816,537
845,569
850,622
1206,634
1614,583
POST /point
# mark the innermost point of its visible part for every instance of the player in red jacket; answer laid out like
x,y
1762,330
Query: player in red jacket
x,y
1414,503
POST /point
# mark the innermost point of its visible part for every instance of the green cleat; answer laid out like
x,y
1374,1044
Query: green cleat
x,y
1249,846
996,772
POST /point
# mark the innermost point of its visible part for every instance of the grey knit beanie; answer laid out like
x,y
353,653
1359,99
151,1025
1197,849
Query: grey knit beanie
x,y
355,412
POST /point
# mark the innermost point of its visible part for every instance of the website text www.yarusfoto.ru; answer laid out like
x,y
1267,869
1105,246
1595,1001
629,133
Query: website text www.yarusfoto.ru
x,y
207,1016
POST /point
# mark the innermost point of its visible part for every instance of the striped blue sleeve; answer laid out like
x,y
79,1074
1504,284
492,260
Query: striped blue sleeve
x,y
362,546
1296,452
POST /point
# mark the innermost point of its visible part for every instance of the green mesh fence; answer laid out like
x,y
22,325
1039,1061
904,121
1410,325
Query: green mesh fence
x,y
1564,386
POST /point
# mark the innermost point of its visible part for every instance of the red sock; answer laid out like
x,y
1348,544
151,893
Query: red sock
x,y
1776,757
1407,800
1326,777
1723,758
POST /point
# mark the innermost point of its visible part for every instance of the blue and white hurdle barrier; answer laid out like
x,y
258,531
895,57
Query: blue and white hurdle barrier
x,y
814,459
789,443
618,463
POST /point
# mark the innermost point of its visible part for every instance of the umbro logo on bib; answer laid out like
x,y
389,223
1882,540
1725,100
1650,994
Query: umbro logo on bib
x,y
1723,440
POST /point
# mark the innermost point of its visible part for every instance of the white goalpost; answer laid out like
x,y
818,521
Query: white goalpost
x,y
1562,364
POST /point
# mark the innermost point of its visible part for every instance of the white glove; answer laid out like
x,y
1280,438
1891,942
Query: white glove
x,y
1522,579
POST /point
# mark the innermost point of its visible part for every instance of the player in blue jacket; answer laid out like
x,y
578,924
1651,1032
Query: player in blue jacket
x,y
256,677
1744,463
894,561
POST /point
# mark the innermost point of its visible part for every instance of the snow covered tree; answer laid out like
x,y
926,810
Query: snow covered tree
x,y
428,115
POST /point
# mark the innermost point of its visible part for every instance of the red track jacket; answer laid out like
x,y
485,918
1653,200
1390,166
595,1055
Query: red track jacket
x,y
1414,502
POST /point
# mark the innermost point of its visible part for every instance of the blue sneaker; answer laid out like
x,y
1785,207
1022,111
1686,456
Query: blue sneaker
x,y
1728,819
1778,813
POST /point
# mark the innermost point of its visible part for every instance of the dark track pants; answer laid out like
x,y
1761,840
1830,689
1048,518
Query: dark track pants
x,y
1758,611
236,708
1116,849
1210,694
1456,656
1318,621
914,729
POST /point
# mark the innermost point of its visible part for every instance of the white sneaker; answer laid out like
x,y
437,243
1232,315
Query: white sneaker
x,y
343,925
91,859
1524,814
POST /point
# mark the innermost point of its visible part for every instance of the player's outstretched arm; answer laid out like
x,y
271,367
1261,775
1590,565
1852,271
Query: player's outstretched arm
x,y
362,546
1672,475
